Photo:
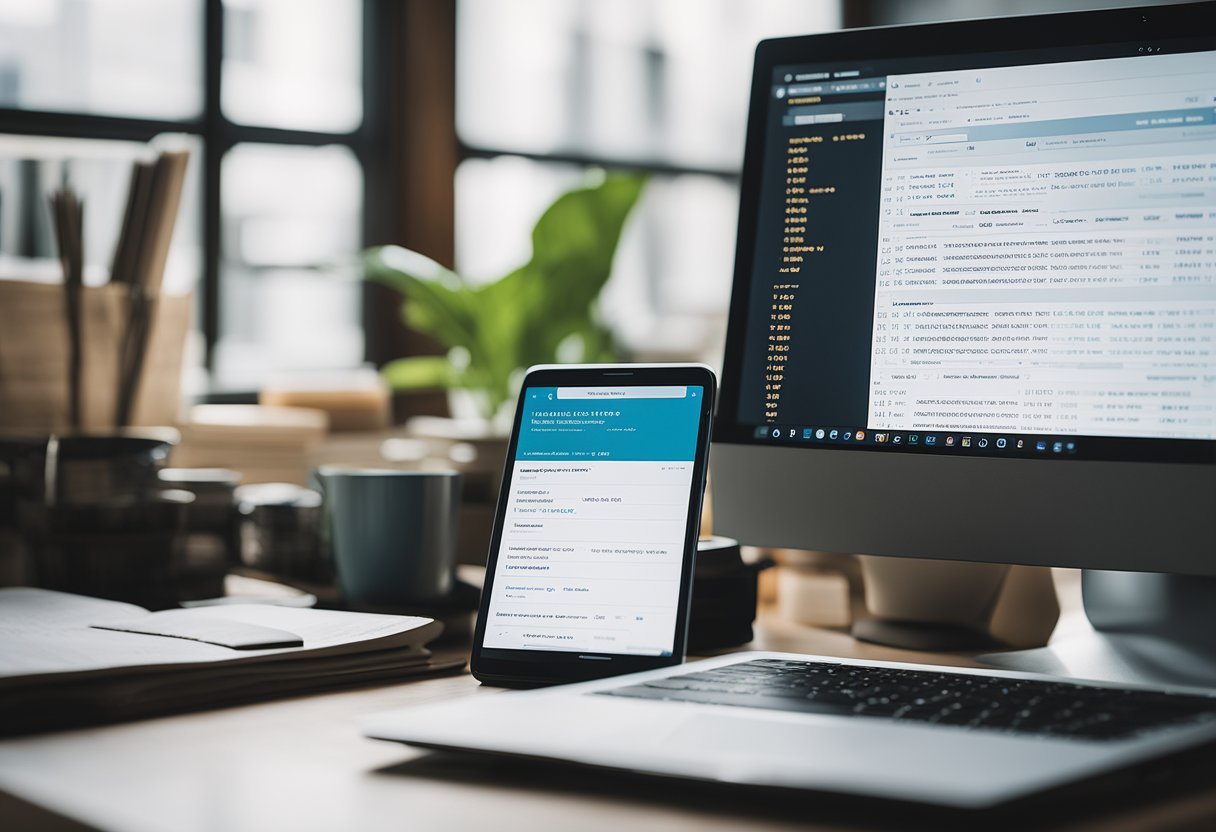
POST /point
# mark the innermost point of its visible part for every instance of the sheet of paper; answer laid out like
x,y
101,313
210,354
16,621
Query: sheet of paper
x,y
318,628
50,632
235,635
22,608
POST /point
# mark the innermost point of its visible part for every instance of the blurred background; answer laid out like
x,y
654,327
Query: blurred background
x,y
319,127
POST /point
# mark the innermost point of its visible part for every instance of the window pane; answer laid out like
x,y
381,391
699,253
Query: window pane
x,y
118,57
294,63
693,220
497,203
289,297
671,280
646,80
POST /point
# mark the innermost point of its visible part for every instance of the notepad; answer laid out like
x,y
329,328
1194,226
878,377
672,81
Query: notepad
x,y
72,660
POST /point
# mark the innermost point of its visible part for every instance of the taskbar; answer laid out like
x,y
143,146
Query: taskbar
x,y
921,439
1008,444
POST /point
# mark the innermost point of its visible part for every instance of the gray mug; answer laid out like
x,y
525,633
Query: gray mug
x,y
393,532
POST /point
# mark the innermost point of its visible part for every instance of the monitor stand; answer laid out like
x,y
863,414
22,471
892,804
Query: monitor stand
x,y
1142,628
940,605
922,636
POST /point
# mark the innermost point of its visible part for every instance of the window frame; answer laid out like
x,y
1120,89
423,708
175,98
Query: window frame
x,y
369,143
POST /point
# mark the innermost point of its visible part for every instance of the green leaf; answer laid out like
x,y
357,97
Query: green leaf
x,y
423,372
524,317
440,304
575,240
573,245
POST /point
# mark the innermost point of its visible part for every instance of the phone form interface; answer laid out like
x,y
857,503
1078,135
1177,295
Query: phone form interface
x,y
593,537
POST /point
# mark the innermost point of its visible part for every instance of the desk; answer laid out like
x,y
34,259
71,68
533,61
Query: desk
x,y
301,764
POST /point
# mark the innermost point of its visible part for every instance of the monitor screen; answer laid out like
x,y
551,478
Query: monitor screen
x,y
975,294
1003,254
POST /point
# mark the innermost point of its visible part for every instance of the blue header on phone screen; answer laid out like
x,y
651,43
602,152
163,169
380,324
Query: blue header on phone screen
x,y
639,423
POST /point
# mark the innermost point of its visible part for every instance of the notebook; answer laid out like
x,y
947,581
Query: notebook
x,y
68,660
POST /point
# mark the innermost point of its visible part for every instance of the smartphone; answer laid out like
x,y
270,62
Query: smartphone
x,y
590,566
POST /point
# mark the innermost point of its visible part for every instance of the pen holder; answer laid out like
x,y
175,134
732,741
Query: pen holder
x,y
34,358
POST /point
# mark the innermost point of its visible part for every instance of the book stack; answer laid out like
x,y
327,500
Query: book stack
x,y
265,444
355,400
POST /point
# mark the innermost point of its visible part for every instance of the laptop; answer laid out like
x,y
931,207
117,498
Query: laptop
x,y
919,733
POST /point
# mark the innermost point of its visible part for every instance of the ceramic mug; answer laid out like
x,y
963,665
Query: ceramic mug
x,y
393,533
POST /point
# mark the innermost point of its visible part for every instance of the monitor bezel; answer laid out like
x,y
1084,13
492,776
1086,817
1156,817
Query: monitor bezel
x,y
992,37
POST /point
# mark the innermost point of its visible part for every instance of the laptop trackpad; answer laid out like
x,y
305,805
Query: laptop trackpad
x,y
839,753
745,738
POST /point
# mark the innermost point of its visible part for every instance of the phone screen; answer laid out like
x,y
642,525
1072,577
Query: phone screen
x,y
593,538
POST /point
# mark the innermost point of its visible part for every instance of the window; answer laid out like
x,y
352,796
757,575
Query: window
x,y
92,56
547,88
270,93
291,216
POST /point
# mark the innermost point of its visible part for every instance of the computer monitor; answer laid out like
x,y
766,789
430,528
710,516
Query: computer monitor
x,y
974,305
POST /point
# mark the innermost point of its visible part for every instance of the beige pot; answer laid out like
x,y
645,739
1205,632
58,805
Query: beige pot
x,y
939,604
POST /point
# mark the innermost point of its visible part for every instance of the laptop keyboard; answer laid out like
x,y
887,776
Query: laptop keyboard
x,y
1058,709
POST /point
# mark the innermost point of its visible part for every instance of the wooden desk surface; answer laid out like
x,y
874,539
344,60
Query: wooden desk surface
x,y
301,764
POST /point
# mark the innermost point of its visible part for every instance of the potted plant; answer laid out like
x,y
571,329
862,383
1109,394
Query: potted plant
x,y
542,312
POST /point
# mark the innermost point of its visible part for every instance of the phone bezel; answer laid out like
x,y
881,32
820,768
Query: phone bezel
x,y
541,667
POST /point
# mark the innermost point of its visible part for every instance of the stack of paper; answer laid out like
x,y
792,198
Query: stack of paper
x,y
58,669
266,444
